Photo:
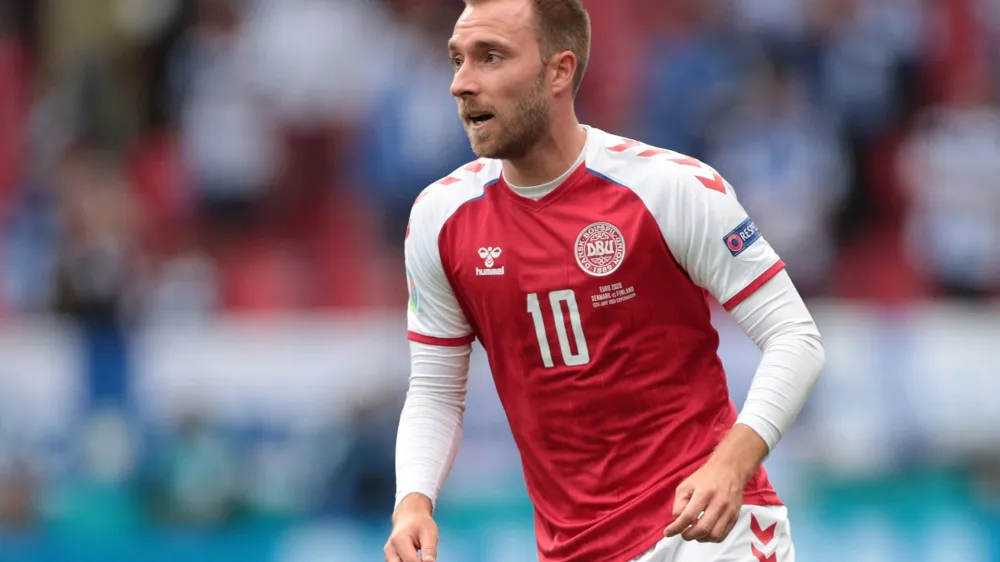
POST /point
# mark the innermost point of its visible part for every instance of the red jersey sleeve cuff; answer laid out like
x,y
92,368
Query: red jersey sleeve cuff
x,y
446,342
752,287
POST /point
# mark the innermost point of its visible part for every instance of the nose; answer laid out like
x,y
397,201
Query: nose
x,y
464,84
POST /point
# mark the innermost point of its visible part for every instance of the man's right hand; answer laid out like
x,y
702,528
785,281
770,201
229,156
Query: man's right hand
x,y
413,529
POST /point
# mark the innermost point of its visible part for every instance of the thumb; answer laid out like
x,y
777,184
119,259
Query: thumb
x,y
428,545
681,499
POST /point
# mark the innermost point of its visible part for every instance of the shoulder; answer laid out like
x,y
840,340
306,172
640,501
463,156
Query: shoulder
x,y
654,173
440,200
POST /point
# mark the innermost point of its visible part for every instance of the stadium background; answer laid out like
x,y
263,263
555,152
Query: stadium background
x,y
202,340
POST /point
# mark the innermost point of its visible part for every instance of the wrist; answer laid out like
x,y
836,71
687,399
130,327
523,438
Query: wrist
x,y
743,451
414,503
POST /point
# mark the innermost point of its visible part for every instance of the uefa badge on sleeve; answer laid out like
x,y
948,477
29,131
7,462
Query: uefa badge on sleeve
x,y
742,237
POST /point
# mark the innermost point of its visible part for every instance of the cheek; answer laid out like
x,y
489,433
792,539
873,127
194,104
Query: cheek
x,y
511,104
513,86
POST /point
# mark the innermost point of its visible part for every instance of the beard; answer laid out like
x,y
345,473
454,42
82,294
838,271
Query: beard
x,y
516,132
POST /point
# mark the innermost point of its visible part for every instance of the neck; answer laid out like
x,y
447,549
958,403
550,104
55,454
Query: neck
x,y
550,157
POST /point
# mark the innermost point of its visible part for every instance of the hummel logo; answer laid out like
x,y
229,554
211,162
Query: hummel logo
x,y
489,256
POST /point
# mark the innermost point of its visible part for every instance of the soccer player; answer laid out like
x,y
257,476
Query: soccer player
x,y
583,262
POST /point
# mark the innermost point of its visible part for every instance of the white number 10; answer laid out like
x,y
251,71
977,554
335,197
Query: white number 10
x,y
556,299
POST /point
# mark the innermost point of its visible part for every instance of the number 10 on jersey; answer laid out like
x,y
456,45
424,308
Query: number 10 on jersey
x,y
556,301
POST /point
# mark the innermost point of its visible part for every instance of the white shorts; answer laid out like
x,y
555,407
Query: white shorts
x,y
762,534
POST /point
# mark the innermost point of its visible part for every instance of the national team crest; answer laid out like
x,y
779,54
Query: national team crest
x,y
600,249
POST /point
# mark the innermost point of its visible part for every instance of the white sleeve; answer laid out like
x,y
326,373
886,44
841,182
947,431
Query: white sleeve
x,y
713,239
434,316
430,427
777,321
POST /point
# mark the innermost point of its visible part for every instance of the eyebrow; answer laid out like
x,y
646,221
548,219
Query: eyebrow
x,y
480,45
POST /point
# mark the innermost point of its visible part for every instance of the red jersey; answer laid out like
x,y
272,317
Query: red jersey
x,y
591,304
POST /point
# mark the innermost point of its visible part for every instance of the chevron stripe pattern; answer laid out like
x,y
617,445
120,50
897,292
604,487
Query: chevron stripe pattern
x,y
713,182
765,539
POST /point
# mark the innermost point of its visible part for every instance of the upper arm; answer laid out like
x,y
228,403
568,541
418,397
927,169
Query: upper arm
x,y
714,240
434,315
774,311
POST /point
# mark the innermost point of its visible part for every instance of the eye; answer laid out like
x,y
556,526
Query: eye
x,y
456,62
492,58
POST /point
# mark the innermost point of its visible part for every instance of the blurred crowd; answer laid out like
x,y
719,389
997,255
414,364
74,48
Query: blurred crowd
x,y
174,159
182,157
117,475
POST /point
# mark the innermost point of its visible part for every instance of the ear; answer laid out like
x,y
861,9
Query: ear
x,y
562,67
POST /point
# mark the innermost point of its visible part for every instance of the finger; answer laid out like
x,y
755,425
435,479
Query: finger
x,y
715,511
725,526
682,498
390,553
428,545
405,548
689,516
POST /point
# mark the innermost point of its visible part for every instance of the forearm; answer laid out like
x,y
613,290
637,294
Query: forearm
x,y
430,426
792,358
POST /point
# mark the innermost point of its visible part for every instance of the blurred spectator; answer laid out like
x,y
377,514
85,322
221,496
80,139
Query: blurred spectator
x,y
182,286
228,139
194,479
316,60
412,137
783,157
363,484
282,475
292,472
93,271
866,51
780,25
950,165
696,68
98,500
29,239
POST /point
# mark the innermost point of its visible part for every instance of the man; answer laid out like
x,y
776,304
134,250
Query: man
x,y
589,293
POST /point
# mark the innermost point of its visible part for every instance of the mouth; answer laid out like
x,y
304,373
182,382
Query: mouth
x,y
478,120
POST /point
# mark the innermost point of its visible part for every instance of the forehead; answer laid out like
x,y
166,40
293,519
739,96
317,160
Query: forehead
x,y
506,20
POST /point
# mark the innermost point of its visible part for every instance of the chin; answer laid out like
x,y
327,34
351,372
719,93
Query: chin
x,y
483,148
489,151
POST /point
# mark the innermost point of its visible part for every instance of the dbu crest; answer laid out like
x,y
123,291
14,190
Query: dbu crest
x,y
600,249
